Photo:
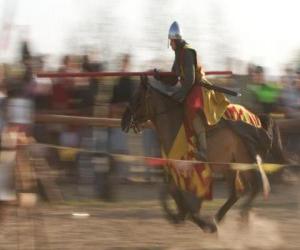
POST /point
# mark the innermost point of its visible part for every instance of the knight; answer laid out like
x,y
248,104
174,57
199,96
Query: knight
x,y
202,107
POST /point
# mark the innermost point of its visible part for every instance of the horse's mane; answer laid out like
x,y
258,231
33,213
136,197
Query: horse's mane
x,y
168,118
166,96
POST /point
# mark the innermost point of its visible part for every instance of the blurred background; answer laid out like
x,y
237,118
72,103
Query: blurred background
x,y
73,164
252,31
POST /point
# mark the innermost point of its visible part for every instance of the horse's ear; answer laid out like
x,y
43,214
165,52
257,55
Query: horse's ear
x,y
144,80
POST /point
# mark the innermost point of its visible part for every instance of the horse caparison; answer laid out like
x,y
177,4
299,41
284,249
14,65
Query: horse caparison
x,y
224,146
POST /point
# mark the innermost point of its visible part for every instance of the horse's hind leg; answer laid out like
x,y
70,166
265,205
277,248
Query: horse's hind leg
x,y
254,188
232,197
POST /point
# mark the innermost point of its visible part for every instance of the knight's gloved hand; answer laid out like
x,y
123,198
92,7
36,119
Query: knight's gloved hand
x,y
180,95
156,74
169,80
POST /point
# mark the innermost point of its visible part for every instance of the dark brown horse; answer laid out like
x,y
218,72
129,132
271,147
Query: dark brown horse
x,y
224,146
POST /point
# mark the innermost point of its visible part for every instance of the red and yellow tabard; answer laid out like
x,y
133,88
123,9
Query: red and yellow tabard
x,y
213,104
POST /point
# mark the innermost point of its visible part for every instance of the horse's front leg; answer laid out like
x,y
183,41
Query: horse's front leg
x,y
232,199
207,225
171,190
193,205
187,204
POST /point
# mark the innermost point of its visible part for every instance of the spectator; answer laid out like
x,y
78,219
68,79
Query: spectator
x,y
20,76
297,93
290,95
20,107
248,98
267,94
61,90
288,78
151,149
95,138
19,120
65,135
42,88
291,104
122,92
2,97
87,94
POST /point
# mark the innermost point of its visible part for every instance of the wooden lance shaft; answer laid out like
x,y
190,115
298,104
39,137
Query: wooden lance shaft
x,y
116,74
146,73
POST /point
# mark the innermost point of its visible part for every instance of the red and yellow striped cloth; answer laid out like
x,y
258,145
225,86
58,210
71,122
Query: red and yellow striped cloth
x,y
197,177
193,177
237,112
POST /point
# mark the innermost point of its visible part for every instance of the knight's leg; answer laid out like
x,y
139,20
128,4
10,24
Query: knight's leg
x,y
200,132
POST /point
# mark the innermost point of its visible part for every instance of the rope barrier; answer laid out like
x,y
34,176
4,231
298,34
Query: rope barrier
x,y
286,126
157,161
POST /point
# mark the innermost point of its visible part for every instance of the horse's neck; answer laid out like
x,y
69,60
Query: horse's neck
x,y
167,119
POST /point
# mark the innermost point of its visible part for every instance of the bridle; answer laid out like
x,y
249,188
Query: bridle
x,y
132,109
163,112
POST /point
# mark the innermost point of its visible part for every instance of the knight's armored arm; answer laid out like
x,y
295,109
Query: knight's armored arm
x,y
188,78
169,80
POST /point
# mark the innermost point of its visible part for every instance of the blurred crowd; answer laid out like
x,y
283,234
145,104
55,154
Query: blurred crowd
x,y
22,94
276,97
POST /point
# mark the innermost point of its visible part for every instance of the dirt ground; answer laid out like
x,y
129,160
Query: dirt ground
x,y
136,221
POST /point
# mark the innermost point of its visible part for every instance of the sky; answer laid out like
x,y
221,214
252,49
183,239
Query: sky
x,y
265,30
260,31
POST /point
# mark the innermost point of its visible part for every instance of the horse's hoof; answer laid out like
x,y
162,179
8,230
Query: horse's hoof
x,y
245,217
175,219
210,228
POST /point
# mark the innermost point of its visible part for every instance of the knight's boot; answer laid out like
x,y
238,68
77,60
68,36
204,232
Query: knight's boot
x,y
201,153
200,133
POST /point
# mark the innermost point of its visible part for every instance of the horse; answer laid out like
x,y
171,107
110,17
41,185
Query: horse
x,y
223,146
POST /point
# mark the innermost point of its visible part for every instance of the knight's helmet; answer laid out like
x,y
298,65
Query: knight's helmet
x,y
175,32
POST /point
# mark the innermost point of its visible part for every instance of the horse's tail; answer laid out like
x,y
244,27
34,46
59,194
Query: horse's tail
x,y
276,152
265,180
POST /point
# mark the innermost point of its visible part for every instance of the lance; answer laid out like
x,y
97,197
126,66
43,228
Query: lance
x,y
205,83
116,74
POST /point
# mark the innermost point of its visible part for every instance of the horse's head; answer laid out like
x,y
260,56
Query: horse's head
x,y
138,110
